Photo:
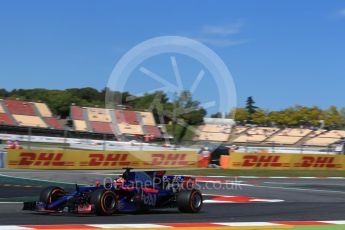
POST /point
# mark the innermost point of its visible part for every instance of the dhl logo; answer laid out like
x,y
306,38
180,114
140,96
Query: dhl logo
x,y
100,159
261,161
318,162
168,159
41,159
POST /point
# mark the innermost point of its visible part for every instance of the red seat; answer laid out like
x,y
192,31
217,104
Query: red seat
x,y
53,122
125,116
20,107
77,113
5,119
153,130
101,127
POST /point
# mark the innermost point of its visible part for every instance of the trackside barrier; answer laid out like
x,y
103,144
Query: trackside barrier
x,y
2,159
203,162
80,159
224,161
286,161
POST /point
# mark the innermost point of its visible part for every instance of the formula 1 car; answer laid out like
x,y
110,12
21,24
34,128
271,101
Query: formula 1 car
x,y
132,192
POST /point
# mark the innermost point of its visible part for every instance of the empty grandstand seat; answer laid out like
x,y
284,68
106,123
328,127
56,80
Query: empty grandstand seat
x,y
101,127
76,113
5,119
53,122
130,129
295,132
148,118
153,130
321,141
126,116
317,133
97,114
2,109
20,107
285,140
333,134
80,125
43,109
213,128
267,131
32,121
240,129
219,137
250,138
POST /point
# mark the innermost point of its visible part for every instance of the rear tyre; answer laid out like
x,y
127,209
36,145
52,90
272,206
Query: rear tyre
x,y
189,201
104,201
51,194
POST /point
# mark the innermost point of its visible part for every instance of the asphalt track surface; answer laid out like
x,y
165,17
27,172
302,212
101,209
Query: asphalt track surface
x,y
300,200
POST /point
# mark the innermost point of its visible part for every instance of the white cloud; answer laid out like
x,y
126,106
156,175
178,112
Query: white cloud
x,y
223,30
222,42
222,35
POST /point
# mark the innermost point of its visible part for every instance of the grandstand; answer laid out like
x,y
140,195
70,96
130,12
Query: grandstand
x,y
253,134
324,138
17,115
110,121
289,136
215,129
217,132
28,114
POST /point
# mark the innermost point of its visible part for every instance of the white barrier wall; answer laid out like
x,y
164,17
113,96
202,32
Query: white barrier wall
x,y
2,159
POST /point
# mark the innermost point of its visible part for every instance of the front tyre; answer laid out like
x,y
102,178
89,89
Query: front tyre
x,y
189,201
51,194
104,201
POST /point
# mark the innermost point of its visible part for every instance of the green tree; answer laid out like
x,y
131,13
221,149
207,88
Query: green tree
x,y
260,117
238,114
250,106
216,115
333,118
186,111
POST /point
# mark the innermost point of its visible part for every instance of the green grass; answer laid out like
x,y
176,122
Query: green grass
x,y
19,199
260,172
43,145
315,227
38,184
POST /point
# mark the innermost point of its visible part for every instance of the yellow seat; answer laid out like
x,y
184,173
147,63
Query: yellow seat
x,y
130,129
148,118
43,109
31,121
97,114
80,125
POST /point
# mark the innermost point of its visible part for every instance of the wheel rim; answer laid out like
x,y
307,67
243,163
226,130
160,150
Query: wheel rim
x,y
109,202
196,201
55,195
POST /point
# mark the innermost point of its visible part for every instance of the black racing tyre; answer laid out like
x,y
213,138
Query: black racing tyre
x,y
189,201
51,194
104,201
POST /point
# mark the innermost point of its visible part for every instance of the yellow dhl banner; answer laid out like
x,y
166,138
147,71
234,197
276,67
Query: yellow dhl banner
x,y
80,159
286,161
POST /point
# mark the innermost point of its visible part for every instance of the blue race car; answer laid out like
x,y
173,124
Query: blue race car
x,y
132,192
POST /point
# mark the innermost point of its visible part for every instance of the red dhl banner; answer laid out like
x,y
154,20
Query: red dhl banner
x,y
286,161
79,159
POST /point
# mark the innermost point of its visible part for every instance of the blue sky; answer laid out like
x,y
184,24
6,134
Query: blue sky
x,y
282,53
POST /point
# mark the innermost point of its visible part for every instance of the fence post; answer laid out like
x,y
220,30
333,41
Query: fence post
x,y
2,159
104,144
65,138
29,138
